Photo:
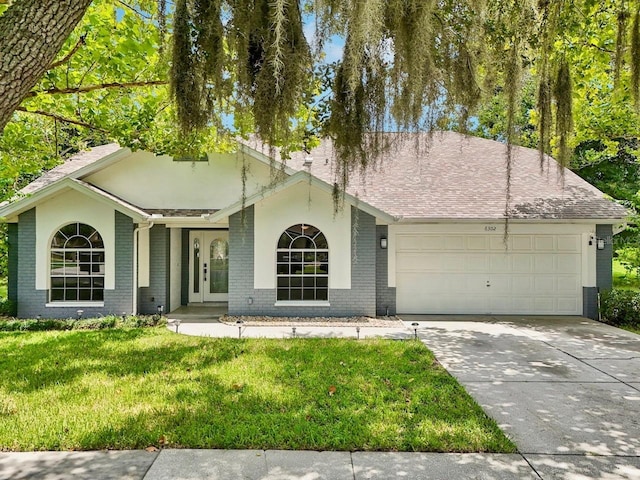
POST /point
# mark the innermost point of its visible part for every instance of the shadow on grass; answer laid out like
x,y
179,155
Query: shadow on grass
x,y
178,391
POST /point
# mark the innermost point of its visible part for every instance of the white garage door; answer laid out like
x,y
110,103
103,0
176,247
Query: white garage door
x,y
538,274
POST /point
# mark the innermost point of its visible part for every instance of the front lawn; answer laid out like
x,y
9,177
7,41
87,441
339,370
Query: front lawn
x,y
133,388
623,278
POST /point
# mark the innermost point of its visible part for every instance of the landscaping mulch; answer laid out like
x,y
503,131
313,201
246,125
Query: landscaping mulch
x,y
266,321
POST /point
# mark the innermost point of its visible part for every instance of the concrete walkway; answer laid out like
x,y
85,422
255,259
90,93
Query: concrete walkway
x,y
567,390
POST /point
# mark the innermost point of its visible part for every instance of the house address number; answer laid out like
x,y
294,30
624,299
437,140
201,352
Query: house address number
x,y
490,228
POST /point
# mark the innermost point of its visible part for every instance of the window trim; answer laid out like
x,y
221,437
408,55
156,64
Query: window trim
x,y
290,250
90,250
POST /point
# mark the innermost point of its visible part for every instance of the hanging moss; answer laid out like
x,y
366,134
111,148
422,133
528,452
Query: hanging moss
x,y
621,41
407,65
635,57
564,114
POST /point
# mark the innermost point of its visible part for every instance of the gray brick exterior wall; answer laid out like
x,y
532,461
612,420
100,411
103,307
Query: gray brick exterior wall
x,y
604,258
157,293
120,300
385,295
359,300
32,302
12,265
590,302
604,273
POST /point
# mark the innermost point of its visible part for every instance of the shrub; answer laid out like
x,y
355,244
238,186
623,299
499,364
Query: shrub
x,y
620,307
101,323
7,307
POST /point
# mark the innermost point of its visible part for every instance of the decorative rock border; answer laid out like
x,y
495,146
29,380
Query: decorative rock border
x,y
265,321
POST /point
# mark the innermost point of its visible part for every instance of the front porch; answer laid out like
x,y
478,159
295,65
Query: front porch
x,y
199,312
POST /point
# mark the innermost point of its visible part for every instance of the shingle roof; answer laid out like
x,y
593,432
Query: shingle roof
x,y
443,176
452,176
180,212
71,165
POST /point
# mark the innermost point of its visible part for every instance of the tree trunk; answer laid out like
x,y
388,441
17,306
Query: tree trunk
x,y
31,35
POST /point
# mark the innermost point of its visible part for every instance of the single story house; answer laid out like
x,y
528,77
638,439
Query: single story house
x,y
113,231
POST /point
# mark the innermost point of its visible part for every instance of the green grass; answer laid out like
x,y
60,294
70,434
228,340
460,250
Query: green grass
x,y
624,279
631,328
133,388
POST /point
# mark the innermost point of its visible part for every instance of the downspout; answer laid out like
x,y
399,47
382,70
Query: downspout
x,y
135,265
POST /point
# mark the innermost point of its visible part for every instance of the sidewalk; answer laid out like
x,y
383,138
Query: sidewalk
x,y
260,465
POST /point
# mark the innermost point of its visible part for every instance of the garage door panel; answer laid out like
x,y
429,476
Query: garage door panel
x,y
568,284
477,242
567,305
455,242
409,243
499,263
544,285
539,274
522,263
420,262
521,283
522,243
544,243
435,242
476,263
567,262
568,243
496,243
544,264
544,305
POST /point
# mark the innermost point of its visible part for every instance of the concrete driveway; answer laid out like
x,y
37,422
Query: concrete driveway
x,y
565,389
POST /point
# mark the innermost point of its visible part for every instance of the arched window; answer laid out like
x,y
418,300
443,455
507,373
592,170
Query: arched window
x,y
302,264
77,264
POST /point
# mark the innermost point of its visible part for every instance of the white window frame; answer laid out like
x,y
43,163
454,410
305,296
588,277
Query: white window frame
x,y
96,269
284,258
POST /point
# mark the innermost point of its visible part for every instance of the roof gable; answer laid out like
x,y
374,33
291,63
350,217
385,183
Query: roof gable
x,y
295,179
14,209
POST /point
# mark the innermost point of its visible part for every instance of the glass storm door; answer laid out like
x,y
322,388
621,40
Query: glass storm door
x,y
209,266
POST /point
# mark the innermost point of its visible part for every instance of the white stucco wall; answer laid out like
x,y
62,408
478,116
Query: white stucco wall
x,y
144,267
148,181
301,203
586,231
70,207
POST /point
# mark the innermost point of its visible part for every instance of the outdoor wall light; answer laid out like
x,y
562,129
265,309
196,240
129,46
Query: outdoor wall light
x,y
293,332
600,244
249,300
79,313
358,333
383,243
160,309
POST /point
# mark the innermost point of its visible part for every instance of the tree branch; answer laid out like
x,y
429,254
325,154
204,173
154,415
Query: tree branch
x,y
597,47
62,119
68,56
138,12
91,88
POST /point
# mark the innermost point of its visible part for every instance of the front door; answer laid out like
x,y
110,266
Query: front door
x,y
209,266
